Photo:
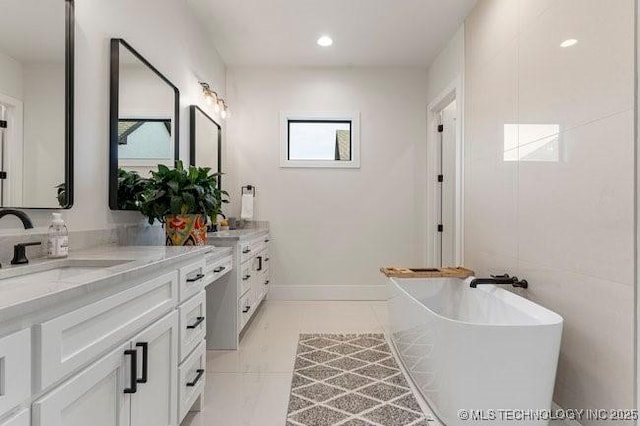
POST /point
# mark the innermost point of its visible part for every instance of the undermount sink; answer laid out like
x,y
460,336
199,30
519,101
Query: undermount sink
x,y
57,270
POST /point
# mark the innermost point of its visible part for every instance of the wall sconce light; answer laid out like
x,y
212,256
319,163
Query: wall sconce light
x,y
212,98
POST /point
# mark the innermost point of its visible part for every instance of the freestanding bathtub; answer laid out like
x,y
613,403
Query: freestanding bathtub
x,y
475,349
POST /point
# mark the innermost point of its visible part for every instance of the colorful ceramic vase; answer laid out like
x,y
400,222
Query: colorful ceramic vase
x,y
186,230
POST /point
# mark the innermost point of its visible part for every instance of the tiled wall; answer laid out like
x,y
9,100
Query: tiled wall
x,y
549,177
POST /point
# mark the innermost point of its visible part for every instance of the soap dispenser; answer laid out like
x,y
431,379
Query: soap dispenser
x,y
58,243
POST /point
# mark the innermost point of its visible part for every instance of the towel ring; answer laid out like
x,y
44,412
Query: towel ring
x,y
250,189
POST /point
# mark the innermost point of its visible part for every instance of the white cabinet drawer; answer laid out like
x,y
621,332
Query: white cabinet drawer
x,y
245,308
193,326
249,249
192,279
23,418
15,370
245,278
191,375
218,269
72,340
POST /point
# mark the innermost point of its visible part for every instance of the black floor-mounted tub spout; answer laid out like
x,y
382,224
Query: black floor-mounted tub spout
x,y
503,279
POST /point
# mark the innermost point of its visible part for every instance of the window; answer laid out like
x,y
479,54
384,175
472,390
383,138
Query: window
x,y
320,140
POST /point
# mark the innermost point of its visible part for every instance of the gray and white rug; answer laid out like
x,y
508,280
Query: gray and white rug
x,y
350,380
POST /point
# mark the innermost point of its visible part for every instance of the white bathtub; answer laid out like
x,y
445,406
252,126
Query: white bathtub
x,y
475,348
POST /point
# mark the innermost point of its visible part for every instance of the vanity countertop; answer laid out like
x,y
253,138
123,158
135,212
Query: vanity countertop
x,y
239,234
25,295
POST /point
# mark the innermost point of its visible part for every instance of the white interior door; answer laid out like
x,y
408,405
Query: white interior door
x,y
447,187
93,397
156,401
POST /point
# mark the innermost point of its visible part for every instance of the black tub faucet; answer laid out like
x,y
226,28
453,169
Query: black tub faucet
x,y
503,279
26,220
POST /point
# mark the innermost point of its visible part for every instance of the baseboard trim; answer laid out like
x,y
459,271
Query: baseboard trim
x,y
567,422
328,292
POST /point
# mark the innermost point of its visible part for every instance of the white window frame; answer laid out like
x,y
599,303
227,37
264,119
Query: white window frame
x,y
353,116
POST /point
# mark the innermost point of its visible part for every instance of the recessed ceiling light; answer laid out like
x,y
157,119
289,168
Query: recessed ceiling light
x,y
569,42
325,41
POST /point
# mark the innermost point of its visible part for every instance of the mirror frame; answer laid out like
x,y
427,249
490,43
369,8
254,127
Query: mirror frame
x,y
193,110
69,82
116,43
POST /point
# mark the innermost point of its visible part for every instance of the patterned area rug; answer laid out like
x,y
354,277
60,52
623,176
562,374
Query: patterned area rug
x,y
350,380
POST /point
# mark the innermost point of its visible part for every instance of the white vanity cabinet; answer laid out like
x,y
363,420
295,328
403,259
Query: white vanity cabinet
x,y
95,396
232,303
134,356
15,370
136,384
21,419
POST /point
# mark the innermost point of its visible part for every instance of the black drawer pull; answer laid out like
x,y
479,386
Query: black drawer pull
x,y
246,309
245,251
200,372
145,361
267,240
246,277
196,324
133,385
266,259
259,263
219,269
196,278
267,282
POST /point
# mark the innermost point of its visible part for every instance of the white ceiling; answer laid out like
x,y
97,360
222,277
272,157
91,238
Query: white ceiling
x,y
365,32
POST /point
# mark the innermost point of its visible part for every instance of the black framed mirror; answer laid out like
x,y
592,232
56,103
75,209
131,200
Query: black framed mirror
x,y
36,104
144,123
205,141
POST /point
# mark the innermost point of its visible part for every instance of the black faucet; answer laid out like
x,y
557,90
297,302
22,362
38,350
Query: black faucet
x,y
500,279
26,221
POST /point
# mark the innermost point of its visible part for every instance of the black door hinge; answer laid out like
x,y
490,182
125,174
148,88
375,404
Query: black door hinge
x,y
3,124
440,178
440,228
440,128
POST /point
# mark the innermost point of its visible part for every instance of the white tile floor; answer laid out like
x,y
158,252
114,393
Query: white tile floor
x,y
250,386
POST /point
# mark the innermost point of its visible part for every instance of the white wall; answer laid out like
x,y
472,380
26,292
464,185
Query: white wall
x,y
448,65
10,77
566,226
333,229
170,37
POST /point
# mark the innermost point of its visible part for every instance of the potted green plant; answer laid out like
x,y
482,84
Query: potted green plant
x,y
131,186
182,199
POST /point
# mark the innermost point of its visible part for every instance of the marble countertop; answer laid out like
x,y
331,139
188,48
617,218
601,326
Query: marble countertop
x,y
239,234
20,295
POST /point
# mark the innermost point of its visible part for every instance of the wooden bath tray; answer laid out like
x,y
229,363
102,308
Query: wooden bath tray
x,y
448,272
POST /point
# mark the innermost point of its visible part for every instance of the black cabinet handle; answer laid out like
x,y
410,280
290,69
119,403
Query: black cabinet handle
x,y
246,277
246,309
133,387
245,251
200,372
259,263
196,278
196,324
267,282
267,240
145,361
219,269
266,259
